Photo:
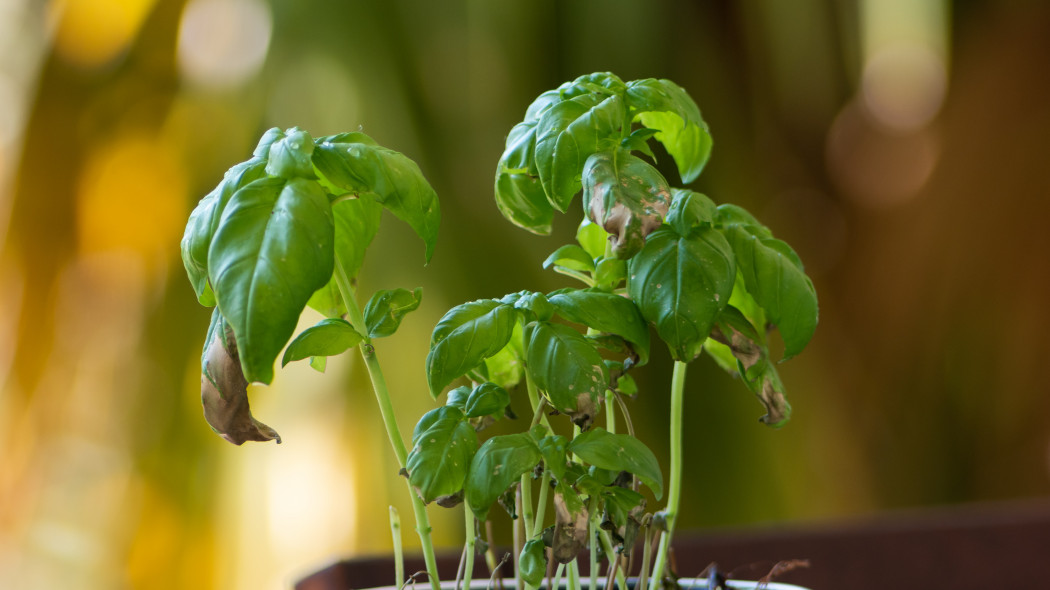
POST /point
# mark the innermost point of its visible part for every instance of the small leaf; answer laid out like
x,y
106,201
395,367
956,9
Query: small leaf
x,y
610,273
663,105
734,332
224,390
689,210
572,257
532,563
387,308
497,465
395,181
728,215
778,284
553,448
626,196
319,363
566,368
329,337
619,452
485,400
204,220
273,249
262,149
607,313
681,286
441,453
289,156
466,336
592,238
567,134
458,397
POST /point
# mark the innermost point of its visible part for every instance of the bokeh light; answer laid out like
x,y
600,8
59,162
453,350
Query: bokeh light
x,y
222,43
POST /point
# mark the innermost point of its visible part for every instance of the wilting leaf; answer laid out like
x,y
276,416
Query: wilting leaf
x,y
443,447
224,390
681,285
272,250
746,345
626,196
386,308
329,337
570,525
566,368
619,452
496,466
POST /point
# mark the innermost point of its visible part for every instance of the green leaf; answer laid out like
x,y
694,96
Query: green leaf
x,y
553,448
262,149
519,193
497,465
600,83
506,367
681,284
663,105
609,273
778,284
532,563
443,448
567,134
486,399
386,308
744,342
356,224
619,452
607,313
729,215
272,250
626,196
566,368
395,181
289,156
689,210
328,337
592,238
204,220
464,337
458,397
572,257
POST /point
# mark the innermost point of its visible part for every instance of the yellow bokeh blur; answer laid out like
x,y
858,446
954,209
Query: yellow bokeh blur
x,y
90,33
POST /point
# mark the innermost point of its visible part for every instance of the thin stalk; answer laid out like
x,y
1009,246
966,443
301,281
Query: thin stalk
x,y
592,533
527,517
386,410
468,567
574,576
519,583
541,502
614,560
399,558
674,486
647,554
610,412
555,584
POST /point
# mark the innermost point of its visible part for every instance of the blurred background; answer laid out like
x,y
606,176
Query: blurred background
x,y
900,146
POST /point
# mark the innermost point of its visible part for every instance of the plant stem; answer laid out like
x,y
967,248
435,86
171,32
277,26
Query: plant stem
x,y
399,558
526,506
610,553
592,537
468,568
574,576
519,582
386,409
541,502
674,486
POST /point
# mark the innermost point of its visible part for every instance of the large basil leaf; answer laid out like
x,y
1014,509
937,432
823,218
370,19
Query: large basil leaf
x,y
388,307
441,453
464,337
566,368
681,284
619,452
663,105
272,250
774,277
519,193
496,466
626,196
393,178
567,134
328,337
605,312
356,225
204,220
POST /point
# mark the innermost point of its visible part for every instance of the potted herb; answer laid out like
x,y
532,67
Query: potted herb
x,y
289,228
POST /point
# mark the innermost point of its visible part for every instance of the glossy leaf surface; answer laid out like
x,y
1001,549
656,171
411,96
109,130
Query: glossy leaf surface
x,y
626,196
566,368
497,465
681,286
663,105
329,337
532,563
605,312
443,447
690,210
395,181
388,307
619,452
464,337
289,156
774,277
273,249
485,400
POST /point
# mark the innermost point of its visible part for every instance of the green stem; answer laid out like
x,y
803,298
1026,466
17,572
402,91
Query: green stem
x,y
592,534
386,410
526,506
610,553
574,575
541,502
399,558
674,486
468,568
